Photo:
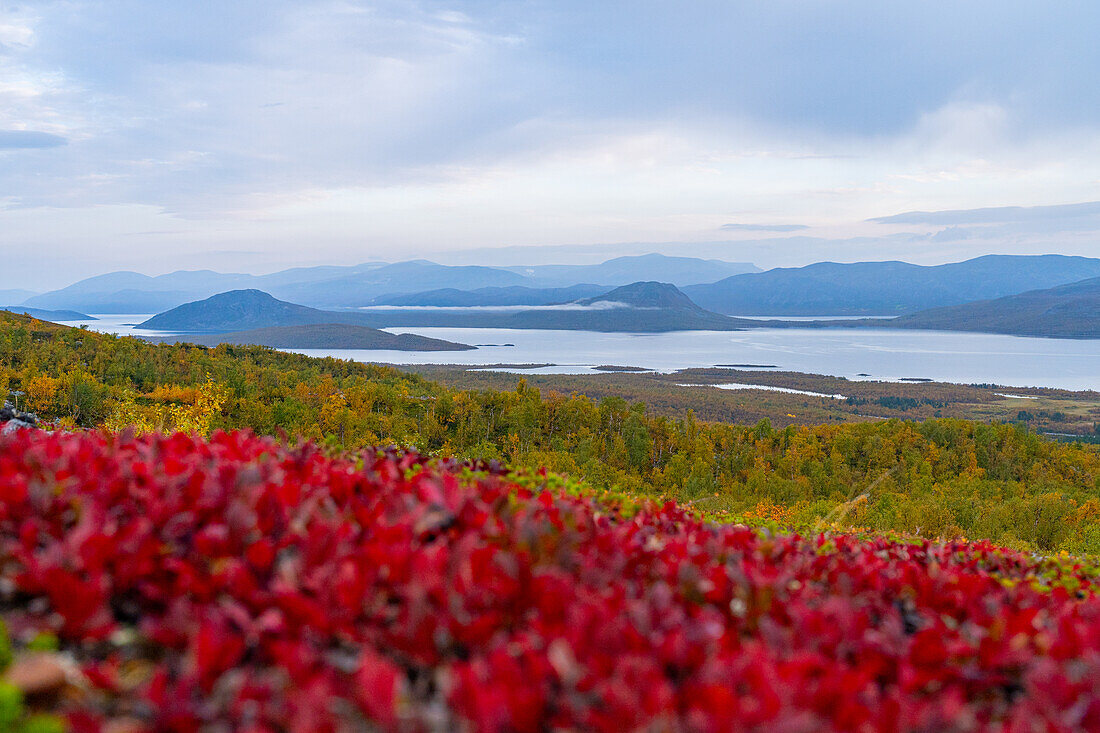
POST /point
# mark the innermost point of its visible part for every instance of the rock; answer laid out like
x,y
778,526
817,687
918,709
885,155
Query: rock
x,y
13,419
37,674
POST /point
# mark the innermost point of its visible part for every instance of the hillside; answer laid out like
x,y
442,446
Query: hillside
x,y
1067,311
328,336
887,288
942,477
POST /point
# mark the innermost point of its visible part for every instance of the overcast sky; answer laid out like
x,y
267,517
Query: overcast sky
x,y
257,134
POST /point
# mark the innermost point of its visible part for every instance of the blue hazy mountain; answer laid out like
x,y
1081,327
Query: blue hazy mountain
x,y
133,292
16,295
826,288
679,271
255,317
646,307
403,277
497,296
1066,311
357,285
243,310
638,307
887,288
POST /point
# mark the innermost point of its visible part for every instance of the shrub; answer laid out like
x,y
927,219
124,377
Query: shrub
x,y
238,583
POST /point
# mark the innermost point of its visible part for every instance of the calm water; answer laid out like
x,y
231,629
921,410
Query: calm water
x,y
882,354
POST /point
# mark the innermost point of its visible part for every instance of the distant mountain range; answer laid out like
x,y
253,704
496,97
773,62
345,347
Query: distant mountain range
x,y
326,336
1066,311
252,316
639,307
822,289
16,295
886,288
359,285
480,297
403,277
679,271
132,292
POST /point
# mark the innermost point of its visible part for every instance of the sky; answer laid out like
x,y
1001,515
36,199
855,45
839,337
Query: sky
x,y
260,134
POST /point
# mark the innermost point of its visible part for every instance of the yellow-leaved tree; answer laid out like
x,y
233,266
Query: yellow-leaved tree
x,y
193,416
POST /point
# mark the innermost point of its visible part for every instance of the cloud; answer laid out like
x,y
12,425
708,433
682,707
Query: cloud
x,y
994,215
199,107
426,126
763,227
870,69
28,140
203,110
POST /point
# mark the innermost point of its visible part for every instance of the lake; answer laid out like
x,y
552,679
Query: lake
x,y
882,354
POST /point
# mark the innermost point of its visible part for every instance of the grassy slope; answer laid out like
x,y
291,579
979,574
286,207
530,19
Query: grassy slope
x,y
938,478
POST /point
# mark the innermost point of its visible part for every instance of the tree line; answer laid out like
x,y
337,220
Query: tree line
x,y
936,478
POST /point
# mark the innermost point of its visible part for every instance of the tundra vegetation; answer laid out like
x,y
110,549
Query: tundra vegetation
x,y
938,478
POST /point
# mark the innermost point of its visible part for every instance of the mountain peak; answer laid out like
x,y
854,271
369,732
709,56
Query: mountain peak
x,y
646,294
244,295
234,310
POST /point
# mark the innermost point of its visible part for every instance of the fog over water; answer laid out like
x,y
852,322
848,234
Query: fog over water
x,y
881,354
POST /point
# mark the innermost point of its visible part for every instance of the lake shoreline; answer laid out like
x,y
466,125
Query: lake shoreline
x,y
881,354
796,398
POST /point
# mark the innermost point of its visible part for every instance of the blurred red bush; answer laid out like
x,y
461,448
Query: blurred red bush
x,y
238,584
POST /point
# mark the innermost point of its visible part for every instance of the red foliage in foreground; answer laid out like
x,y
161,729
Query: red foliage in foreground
x,y
236,584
